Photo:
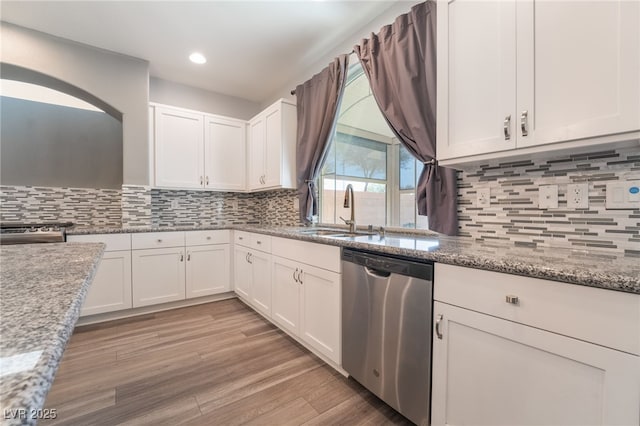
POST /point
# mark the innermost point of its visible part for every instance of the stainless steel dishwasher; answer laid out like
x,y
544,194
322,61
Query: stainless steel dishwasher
x,y
387,305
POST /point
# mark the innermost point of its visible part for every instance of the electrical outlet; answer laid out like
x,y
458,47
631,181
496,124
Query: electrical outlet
x,y
548,197
578,195
174,204
296,204
484,197
233,204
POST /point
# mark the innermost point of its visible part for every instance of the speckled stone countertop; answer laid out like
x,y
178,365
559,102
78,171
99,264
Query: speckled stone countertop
x,y
43,288
590,268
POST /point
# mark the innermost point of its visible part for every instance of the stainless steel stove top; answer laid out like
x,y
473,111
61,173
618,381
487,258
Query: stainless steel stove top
x,y
31,233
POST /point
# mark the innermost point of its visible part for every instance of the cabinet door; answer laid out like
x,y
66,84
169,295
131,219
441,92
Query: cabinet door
x,y
491,371
257,154
158,276
179,149
241,272
285,309
320,304
208,270
111,287
578,69
261,281
476,77
224,150
273,150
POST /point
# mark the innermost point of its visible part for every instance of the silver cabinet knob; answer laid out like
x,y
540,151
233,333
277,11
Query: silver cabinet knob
x,y
159,240
207,180
201,181
438,332
509,298
208,238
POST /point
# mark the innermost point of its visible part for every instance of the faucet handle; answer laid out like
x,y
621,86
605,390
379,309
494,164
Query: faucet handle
x,y
347,222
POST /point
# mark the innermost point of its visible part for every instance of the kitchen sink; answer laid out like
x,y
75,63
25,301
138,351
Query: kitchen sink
x,y
333,233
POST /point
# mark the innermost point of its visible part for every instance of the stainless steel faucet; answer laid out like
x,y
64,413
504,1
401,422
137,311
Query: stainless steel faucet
x,y
350,201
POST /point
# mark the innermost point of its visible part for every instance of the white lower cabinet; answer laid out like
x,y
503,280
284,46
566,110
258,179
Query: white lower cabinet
x,y
252,271
110,289
306,299
499,371
158,276
241,272
208,270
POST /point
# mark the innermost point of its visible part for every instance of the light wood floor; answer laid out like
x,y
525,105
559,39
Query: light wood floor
x,y
214,364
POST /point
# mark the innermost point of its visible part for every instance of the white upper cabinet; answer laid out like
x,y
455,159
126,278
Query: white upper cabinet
x,y
272,147
515,75
481,58
194,150
224,153
179,148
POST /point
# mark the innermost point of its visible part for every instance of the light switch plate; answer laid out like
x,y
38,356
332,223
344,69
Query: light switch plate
x,y
174,204
484,197
578,195
623,195
548,197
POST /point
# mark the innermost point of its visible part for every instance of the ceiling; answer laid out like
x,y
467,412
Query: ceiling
x,y
254,48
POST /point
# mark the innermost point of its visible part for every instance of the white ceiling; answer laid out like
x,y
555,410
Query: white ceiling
x,y
253,48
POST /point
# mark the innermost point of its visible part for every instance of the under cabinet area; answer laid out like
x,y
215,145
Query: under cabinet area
x,y
513,76
504,346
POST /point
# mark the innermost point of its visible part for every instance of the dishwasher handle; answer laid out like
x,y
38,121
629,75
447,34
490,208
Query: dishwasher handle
x,y
377,273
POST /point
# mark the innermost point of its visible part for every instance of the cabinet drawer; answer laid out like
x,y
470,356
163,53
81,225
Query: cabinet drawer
x,y
149,240
261,242
605,317
242,238
114,242
200,238
318,255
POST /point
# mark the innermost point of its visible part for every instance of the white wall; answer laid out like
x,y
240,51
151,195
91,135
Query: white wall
x,y
118,80
345,46
176,94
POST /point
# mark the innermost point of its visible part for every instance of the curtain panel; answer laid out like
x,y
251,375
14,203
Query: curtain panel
x,y
318,103
400,63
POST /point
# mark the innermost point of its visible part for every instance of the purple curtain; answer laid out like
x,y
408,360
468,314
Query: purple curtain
x,y
400,63
318,102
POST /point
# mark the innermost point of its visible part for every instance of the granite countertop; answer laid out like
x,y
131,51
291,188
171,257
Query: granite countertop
x,y
43,288
584,267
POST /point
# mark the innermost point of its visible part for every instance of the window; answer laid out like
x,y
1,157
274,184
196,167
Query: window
x,y
365,153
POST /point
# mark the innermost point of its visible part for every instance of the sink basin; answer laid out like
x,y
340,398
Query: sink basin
x,y
333,233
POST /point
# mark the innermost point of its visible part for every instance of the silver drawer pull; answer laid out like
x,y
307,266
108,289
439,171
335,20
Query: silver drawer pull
x,y
509,298
438,332
159,240
507,127
524,123
259,242
208,238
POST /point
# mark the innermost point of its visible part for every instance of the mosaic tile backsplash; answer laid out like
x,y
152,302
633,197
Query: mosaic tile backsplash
x,y
86,206
223,208
513,215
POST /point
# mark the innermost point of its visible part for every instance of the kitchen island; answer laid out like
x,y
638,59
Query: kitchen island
x,y
43,287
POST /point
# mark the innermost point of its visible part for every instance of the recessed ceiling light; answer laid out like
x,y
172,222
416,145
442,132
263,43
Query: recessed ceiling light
x,y
197,58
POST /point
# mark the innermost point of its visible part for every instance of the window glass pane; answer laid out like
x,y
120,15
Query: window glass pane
x,y
359,157
407,169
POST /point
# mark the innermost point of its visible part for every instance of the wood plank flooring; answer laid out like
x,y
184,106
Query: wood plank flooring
x,y
213,364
